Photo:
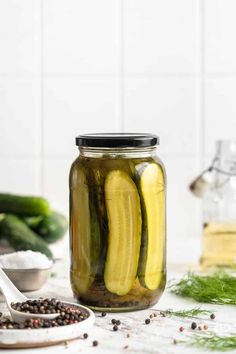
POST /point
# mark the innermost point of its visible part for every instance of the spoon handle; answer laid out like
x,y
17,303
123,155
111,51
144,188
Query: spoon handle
x,y
8,289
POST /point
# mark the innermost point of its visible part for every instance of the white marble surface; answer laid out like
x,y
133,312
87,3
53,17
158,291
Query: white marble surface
x,y
157,337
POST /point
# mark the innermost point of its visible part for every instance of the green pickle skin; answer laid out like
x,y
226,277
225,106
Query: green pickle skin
x,y
96,278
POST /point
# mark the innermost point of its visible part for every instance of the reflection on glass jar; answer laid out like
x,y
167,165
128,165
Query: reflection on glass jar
x,y
219,231
117,222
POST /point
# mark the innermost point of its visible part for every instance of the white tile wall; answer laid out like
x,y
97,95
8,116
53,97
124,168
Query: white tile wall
x,y
160,36
19,117
148,107
19,36
73,66
20,175
80,37
220,27
77,104
220,110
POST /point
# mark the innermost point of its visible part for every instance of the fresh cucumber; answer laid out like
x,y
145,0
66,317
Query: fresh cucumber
x,y
124,237
52,227
32,221
20,236
23,205
151,187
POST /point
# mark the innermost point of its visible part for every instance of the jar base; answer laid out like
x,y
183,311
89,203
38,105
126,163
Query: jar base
x,y
139,298
127,306
117,309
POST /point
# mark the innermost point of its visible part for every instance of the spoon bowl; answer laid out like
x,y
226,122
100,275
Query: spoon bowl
x,y
12,294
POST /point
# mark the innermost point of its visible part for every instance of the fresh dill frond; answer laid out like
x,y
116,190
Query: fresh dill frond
x,y
194,312
212,341
218,288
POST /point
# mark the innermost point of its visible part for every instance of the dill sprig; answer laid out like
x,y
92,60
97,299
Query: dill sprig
x,y
218,288
213,341
194,312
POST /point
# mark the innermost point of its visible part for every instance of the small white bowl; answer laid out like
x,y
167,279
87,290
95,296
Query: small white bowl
x,y
28,279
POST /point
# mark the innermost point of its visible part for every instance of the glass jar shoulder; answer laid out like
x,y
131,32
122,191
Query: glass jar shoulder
x,y
134,167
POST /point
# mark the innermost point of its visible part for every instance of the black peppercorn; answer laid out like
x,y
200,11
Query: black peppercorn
x,y
113,321
193,325
95,343
212,316
115,328
104,314
117,322
85,335
147,321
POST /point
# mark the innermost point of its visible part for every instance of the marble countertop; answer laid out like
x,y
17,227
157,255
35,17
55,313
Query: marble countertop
x,y
156,337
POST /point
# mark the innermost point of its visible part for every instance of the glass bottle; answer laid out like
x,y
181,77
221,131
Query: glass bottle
x,y
219,209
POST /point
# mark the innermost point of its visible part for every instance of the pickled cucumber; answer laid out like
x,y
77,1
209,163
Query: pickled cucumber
x,y
151,190
84,227
124,236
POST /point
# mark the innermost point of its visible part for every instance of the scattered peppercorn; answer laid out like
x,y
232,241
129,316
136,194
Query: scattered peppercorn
x,y
212,316
147,321
115,328
205,327
200,328
104,314
126,347
151,316
95,343
127,335
193,325
181,329
85,335
113,321
155,315
117,322
174,341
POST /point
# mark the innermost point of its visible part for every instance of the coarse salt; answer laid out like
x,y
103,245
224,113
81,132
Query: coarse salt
x,y
24,260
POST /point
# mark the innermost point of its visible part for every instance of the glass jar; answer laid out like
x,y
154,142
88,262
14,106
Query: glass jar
x,y
117,222
219,209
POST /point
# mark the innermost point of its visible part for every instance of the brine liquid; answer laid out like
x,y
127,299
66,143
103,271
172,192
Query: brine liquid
x,y
219,244
87,276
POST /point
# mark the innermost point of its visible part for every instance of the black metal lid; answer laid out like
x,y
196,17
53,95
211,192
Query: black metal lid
x,y
116,140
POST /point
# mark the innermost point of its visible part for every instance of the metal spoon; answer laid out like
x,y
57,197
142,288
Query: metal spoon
x,y
12,294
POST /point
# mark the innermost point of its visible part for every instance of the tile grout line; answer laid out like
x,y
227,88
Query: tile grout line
x,y
123,63
200,87
203,78
41,100
120,28
202,90
200,106
137,75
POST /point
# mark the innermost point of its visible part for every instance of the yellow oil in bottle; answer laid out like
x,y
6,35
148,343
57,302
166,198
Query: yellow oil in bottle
x,y
219,244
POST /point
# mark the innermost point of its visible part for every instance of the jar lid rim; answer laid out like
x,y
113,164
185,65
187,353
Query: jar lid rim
x,y
117,140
